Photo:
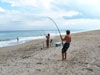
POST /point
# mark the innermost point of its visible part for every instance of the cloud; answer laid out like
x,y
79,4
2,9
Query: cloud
x,y
40,4
82,23
2,10
43,8
89,8
28,14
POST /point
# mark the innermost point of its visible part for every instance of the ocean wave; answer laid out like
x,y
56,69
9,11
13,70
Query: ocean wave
x,y
11,42
22,40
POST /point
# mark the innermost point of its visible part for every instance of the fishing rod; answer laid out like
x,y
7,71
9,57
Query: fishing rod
x,y
57,28
42,31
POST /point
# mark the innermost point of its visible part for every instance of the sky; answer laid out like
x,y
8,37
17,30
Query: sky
x,y
34,14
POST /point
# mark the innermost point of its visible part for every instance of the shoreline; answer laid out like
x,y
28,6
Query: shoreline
x,y
29,59
14,42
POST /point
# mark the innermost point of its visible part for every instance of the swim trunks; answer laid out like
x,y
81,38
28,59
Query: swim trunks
x,y
65,47
47,41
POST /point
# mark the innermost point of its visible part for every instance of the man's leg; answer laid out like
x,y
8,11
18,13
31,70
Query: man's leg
x,y
62,56
65,55
47,43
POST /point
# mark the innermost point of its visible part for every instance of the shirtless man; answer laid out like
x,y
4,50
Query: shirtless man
x,y
47,40
66,45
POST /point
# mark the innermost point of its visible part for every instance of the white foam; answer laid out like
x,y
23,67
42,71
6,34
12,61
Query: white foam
x,y
21,40
26,39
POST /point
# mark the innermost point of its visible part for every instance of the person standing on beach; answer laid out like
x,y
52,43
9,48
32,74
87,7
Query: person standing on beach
x,y
66,45
17,39
47,40
51,42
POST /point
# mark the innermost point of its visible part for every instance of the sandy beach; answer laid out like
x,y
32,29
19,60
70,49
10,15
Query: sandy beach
x,y
29,59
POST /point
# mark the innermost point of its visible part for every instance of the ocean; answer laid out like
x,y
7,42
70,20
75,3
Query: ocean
x,y
9,38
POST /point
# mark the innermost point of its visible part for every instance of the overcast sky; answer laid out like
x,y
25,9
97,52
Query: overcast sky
x,y
33,14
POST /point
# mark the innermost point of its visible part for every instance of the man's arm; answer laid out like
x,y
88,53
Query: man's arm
x,y
64,38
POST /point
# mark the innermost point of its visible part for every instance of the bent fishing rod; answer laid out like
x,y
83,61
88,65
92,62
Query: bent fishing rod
x,y
57,28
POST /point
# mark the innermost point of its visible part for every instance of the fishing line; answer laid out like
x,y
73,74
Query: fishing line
x,y
57,28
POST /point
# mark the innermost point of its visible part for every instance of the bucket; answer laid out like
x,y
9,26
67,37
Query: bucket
x,y
58,44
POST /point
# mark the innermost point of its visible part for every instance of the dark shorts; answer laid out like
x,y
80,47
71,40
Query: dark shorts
x,y
47,41
65,47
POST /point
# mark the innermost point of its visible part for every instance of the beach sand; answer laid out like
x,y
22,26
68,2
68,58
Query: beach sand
x,y
29,59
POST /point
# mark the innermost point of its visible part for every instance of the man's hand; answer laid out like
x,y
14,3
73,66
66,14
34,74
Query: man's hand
x,y
61,38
